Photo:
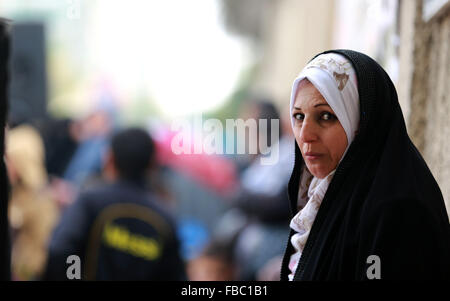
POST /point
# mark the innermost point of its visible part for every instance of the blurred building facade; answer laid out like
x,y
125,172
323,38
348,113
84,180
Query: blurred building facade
x,y
409,38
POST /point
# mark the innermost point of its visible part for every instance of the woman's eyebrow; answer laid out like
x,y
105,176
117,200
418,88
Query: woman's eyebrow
x,y
321,104
315,106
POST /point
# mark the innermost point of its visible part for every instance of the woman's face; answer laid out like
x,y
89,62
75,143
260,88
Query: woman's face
x,y
319,134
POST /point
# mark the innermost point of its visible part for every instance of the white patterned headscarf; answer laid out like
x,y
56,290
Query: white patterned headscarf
x,y
334,77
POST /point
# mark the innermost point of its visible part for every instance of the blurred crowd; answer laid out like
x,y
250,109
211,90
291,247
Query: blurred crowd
x,y
120,199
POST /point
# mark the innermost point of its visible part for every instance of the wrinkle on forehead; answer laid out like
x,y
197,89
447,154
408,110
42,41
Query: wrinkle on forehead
x,y
313,97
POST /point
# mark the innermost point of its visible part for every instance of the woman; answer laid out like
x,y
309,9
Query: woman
x,y
364,203
33,211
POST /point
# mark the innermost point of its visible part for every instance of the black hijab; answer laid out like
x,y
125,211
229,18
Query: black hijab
x,y
382,200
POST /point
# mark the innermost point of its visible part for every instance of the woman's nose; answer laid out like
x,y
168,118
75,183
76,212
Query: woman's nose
x,y
308,132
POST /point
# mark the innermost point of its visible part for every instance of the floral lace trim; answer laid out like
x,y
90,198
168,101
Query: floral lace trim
x,y
302,222
340,70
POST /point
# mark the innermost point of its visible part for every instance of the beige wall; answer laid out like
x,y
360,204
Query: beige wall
x,y
425,86
437,130
296,31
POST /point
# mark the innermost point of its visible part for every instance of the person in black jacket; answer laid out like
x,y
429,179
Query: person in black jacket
x,y
118,231
5,251
364,203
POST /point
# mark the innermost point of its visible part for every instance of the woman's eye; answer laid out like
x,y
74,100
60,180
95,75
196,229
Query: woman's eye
x,y
327,116
299,116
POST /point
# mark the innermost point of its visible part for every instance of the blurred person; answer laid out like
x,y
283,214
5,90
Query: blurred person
x,y
33,211
364,203
256,108
197,191
271,270
5,251
257,244
61,139
74,150
92,133
215,263
118,230
260,203
261,190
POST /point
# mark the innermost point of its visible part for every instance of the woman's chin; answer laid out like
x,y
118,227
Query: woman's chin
x,y
318,172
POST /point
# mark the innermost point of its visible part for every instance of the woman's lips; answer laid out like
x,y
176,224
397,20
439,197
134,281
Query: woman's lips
x,y
311,156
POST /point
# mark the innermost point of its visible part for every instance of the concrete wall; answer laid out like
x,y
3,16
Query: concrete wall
x,y
436,147
424,86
